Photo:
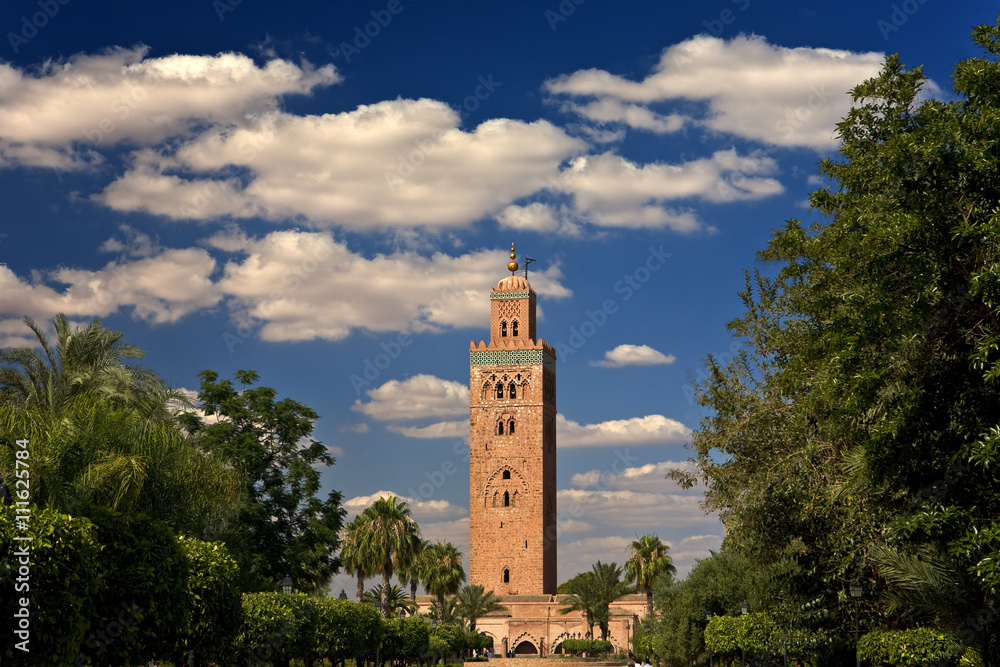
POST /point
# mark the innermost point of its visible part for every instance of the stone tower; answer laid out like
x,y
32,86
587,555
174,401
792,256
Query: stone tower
x,y
512,472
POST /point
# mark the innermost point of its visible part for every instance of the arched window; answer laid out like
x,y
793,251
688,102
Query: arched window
x,y
513,328
503,329
499,428
506,499
513,500
506,576
512,390
506,474
510,427
499,389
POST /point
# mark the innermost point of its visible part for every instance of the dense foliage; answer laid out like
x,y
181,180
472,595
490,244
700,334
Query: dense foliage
x,y
282,527
856,436
909,648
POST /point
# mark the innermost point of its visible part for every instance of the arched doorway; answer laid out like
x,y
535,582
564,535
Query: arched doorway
x,y
525,648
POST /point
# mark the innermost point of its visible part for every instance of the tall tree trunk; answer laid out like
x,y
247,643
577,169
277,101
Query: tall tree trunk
x,y
386,573
440,607
413,590
649,601
361,585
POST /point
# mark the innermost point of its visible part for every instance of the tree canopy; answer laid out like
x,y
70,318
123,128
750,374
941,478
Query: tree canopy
x,y
857,434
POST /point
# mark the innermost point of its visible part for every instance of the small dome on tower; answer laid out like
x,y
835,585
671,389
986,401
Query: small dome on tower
x,y
514,284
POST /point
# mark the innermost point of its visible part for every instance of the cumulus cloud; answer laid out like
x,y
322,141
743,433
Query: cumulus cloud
x,y
648,430
160,288
648,477
304,285
285,286
415,398
634,509
398,163
608,190
452,429
422,510
59,113
753,89
633,355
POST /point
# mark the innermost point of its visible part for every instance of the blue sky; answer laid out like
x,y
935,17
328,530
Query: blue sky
x,y
326,192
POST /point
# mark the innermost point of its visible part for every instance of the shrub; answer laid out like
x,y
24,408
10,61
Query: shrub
x,y
141,609
919,646
216,604
588,646
60,584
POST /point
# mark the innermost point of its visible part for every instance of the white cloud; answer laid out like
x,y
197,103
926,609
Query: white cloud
x,y
121,96
648,430
304,285
360,427
693,548
422,510
608,110
415,398
398,163
778,95
648,477
161,288
608,190
634,509
633,355
286,286
451,429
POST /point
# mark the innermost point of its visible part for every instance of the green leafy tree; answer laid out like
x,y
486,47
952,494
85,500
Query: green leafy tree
x,y
443,573
283,526
474,603
648,558
861,414
391,535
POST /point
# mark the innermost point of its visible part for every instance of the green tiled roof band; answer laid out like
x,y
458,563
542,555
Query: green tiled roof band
x,y
511,295
506,357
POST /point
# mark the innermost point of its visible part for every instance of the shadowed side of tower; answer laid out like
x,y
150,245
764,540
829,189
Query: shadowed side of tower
x,y
512,472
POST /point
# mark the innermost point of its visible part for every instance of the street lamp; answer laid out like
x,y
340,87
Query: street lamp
x,y
745,609
855,588
711,656
402,613
287,585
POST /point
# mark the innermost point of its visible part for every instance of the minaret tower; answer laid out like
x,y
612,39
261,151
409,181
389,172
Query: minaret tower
x,y
512,472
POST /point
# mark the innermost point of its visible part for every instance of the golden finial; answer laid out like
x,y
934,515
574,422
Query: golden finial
x,y
512,265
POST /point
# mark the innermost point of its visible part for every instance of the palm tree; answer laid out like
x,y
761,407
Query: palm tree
x,y
355,559
474,603
412,571
593,594
86,359
648,558
610,587
446,614
397,599
443,573
391,536
583,597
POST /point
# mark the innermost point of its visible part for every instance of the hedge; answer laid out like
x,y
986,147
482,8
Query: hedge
x,y
904,648
60,583
588,646
216,603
